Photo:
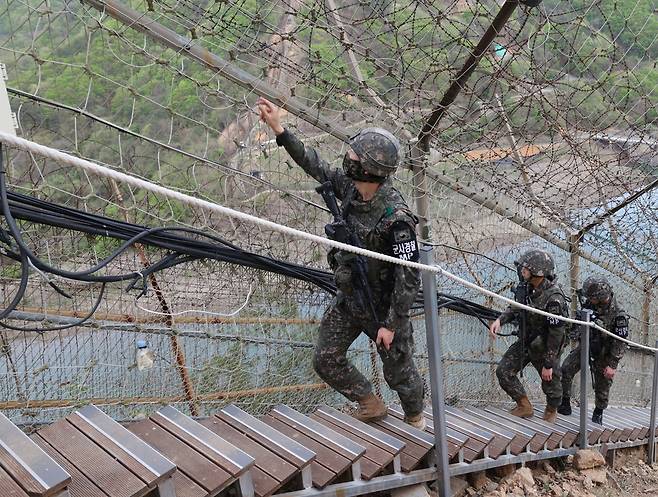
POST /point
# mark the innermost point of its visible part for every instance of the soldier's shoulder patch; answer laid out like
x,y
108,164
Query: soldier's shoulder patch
x,y
621,326
404,244
554,307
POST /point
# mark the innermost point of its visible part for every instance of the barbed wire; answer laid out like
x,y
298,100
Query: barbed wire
x,y
555,130
278,228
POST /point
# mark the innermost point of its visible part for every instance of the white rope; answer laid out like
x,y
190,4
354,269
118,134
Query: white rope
x,y
99,170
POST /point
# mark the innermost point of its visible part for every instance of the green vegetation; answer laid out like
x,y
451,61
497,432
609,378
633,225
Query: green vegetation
x,y
598,55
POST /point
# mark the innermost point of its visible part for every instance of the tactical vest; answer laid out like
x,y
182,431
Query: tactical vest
x,y
600,342
537,324
372,222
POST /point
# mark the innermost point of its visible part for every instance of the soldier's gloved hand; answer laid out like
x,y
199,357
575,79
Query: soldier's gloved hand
x,y
494,328
269,114
609,373
385,337
546,374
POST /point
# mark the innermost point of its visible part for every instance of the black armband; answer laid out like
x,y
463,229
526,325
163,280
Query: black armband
x,y
404,245
554,308
621,326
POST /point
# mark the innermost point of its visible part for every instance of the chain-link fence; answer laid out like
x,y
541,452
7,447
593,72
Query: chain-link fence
x,y
553,143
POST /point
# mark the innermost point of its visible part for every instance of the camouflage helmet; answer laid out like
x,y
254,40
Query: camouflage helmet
x,y
378,150
597,287
538,262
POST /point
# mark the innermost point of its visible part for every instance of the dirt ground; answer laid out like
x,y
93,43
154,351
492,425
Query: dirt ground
x,y
628,476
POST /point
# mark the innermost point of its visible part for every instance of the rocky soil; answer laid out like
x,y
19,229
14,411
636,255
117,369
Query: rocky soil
x,y
583,475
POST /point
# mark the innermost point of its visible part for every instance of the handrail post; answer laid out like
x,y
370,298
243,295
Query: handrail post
x,y
584,370
652,419
436,372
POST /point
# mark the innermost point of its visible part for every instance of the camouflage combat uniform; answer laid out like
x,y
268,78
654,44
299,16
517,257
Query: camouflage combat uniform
x,y
605,351
540,345
383,224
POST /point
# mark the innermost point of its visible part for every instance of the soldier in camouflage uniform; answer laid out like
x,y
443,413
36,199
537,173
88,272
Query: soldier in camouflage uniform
x,y
540,340
605,351
383,223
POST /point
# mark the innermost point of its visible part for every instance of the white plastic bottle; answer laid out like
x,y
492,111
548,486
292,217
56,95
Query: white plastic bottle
x,y
145,357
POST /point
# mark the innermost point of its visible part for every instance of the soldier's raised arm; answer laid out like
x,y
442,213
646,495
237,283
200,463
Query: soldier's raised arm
x,y
306,157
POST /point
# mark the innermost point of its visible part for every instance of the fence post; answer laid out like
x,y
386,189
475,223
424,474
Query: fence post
x,y
644,328
176,346
574,269
652,419
646,308
436,372
584,370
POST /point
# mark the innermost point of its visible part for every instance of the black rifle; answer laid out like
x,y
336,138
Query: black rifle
x,y
521,294
585,305
577,330
339,231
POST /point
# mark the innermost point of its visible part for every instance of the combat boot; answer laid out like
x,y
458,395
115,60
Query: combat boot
x,y
565,407
371,408
523,408
597,416
417,421
550,414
